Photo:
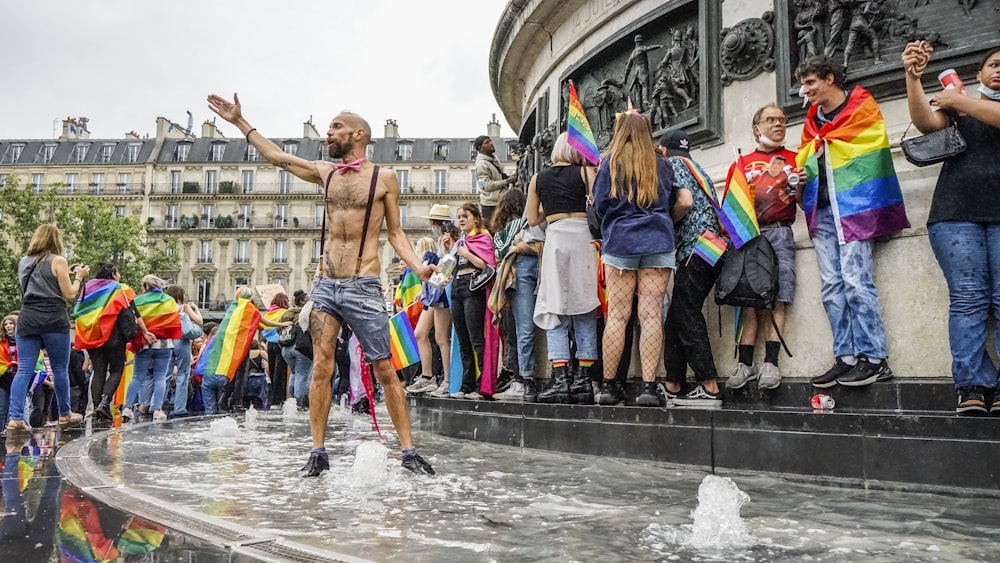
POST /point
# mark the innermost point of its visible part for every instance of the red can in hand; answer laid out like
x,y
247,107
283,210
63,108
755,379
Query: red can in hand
x,y
949,80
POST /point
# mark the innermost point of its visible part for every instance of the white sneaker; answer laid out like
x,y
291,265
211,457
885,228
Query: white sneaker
x,y
457,395
126,414
442,391
423,384
159,416
513,394
474,396
741,375
769,375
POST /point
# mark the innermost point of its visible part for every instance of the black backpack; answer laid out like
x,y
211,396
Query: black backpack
x,y
749,278
286,336
126,323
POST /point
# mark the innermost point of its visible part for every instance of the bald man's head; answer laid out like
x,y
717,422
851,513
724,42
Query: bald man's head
x,y
347,130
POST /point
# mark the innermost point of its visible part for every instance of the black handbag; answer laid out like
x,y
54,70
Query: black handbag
x,y
933,147
482,277
593,221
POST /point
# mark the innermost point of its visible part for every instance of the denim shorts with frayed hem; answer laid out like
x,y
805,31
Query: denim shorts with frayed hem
x,y
358,303
658,260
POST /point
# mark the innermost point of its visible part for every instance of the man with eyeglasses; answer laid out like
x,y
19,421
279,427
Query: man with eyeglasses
x,y
767,169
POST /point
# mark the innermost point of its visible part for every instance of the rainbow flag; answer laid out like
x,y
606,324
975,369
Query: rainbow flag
x,y
865,195
6,358
160,314
579,134
408,290
80,536
272,314
227,349
97,312
402,341
736,213
710,247
140,537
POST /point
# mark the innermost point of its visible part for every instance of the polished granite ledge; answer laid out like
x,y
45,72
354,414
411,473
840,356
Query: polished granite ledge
x,y
914,442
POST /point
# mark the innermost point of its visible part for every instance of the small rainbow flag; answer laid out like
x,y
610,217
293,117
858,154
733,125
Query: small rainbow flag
x,y
402,341
273,314
736,213
408,290
579,135
710,247
227,349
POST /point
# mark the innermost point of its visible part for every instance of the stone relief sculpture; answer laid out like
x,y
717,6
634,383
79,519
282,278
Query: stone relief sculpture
x,y
604,101
908,29
808,27
525,166
747,48
638,85
542,145
869,21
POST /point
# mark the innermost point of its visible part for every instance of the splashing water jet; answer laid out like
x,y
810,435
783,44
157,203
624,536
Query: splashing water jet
x,y
289,409
225,427
369,463
717,522
250,423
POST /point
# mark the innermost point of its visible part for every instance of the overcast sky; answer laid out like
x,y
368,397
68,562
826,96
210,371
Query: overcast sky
x,y
122,63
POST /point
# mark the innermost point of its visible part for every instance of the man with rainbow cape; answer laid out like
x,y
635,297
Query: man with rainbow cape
x,y
851,197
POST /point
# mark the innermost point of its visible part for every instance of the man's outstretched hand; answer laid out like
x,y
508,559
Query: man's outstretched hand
x,y
230,111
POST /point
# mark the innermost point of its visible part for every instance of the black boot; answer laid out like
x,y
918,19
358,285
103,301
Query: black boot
x,y
581,391
530,391
611,392
650,396
559,391
103,409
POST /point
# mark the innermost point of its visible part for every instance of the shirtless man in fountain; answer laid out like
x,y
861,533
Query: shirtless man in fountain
x,y
359,195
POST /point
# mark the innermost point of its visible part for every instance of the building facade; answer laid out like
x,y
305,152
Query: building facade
x,y
237,219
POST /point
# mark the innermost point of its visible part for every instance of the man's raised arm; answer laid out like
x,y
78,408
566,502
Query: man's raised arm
x,y
232,112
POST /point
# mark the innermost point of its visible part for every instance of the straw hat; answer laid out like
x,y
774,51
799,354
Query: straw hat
x,y
439,212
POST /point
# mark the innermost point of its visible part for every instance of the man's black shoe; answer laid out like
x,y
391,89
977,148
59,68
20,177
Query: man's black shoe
x,y
530,391
417,464
829,379
971,401
650,396
863,373
317,464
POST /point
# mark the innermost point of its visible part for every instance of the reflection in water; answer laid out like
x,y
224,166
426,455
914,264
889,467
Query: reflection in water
x,y
43,518
505,504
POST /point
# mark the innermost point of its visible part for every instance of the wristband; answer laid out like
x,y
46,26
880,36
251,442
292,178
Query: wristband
x,y
250,131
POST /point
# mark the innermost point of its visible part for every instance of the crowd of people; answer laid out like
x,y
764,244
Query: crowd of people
x,y
586,255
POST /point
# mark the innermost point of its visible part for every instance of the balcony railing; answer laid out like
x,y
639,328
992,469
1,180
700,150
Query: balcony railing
x,y
125,188
185,222
205,260
224,188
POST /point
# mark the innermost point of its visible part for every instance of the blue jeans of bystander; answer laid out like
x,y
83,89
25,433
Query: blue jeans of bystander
x,y
180,359
584,333
211,391
301,367
56,345
523,305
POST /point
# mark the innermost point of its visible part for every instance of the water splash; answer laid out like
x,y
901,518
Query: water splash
x,y
369,463
717,521
250,423
224,427
289,409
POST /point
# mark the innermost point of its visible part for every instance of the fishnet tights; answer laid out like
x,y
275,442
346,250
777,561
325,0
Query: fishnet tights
x,y
650,284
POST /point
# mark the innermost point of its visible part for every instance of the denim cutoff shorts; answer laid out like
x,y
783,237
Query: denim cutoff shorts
x,y
657,260
357,303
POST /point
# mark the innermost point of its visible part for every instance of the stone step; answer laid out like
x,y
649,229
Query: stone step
x,y
897,395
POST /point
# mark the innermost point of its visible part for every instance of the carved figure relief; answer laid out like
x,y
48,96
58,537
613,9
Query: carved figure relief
x,y
747,48
637,83
542,144
525,166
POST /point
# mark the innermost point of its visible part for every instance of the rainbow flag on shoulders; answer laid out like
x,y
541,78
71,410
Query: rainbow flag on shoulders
x,y
273,314
736,213
160,314
97,311
710,247
224,353
402,341
579,135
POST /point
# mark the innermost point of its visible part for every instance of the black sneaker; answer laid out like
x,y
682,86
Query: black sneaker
x,y
971,401
829,379
668,396
699,397
995,403
318,463
884,373
417,464
650,396
611,393
863,373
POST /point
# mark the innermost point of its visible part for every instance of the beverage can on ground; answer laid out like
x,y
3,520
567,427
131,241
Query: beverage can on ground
x,y
822,402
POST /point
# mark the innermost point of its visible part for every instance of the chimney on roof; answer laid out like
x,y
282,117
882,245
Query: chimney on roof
x,y
75,128
166,129
391,129
493,128
309,130
210,131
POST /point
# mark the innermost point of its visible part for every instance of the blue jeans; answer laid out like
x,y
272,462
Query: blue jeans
x,y
523,306
211,391
969,256
150,370
4,405
301,367
180,358
56,345
584,332
848,291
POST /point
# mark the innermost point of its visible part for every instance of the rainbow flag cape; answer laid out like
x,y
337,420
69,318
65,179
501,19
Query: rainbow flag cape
x,y
402,341
736,213
579,135
140,537
80,536
225,351
408,290
709,247
865,196
272,314
6,359
97,312
160,314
